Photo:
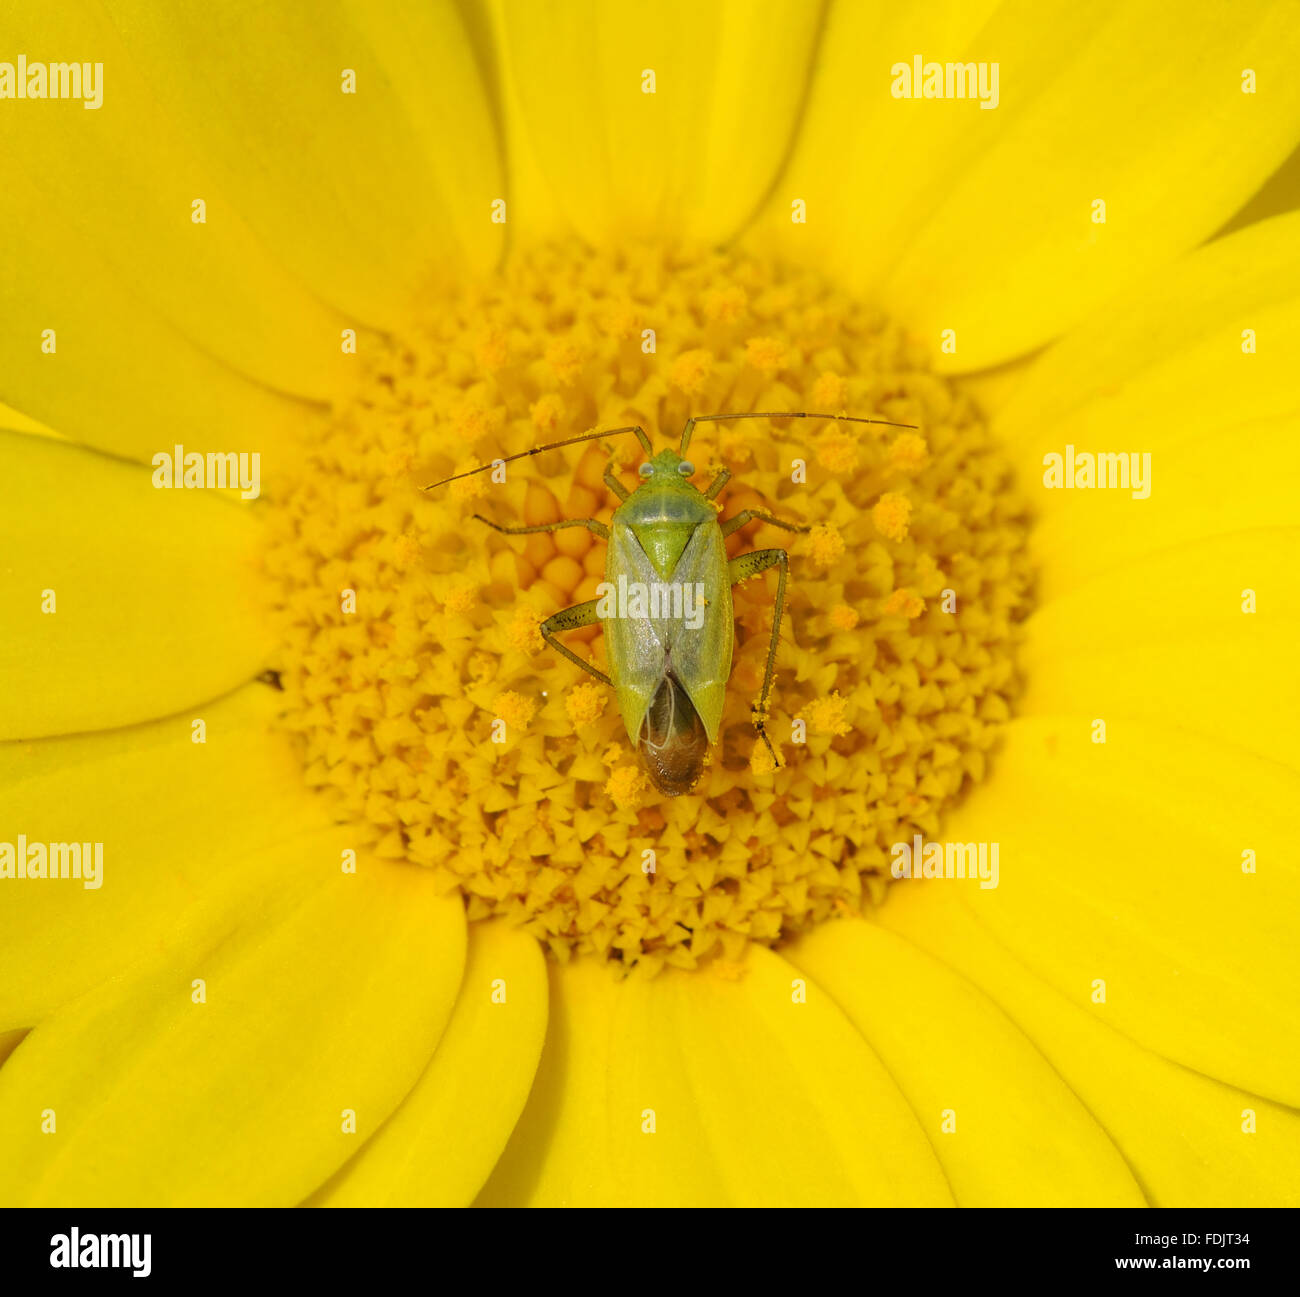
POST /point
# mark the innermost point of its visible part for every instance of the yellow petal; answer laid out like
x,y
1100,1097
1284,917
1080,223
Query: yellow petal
x,y
691,158
1169,642
324,998
1161,372
981,220
12,420
1279,194
692,1089
1121,875
126,185
179,822
362,195
9,1041
439,1147
536,211
81,352
426,59
1007,1130
154,595
1185,1136
990,389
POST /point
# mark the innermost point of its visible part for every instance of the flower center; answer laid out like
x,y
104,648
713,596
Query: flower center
x,y
453,737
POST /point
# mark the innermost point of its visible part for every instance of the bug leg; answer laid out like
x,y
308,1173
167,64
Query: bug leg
x,y
597,528
741,569
574,618
723,477
614,484
748,515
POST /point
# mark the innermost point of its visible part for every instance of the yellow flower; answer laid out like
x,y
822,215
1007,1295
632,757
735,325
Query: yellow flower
x,y
345,947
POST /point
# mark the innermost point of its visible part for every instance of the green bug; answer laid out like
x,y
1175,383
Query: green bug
x,y
666,601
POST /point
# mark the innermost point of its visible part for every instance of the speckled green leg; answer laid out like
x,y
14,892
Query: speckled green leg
x,y
596,528
580,615
741,568
748,515
614,484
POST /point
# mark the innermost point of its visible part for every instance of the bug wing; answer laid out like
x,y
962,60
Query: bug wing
x,y
635,646
701,658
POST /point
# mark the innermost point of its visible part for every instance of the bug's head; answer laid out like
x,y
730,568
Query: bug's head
x,y
667,464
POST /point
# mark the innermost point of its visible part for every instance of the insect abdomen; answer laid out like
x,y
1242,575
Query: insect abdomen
x,y
673,740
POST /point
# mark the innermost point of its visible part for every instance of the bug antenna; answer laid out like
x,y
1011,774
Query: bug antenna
x,y
779,414
554,445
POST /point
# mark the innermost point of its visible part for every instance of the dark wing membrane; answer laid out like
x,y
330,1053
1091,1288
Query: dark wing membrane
x,y
673,740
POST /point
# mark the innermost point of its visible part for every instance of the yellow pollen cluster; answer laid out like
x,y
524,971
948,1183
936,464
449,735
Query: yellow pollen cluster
x,y
460,595
515,709
827,715
903,603
523,632
828,393
761,762
767,354
626,785
546,411
724,304
909,452
837,449
691,370
585,702
891,515
427,704
825,544
565,360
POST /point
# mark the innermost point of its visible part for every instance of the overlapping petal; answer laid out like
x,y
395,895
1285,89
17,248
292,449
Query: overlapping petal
x,y
439,1147
982,220
363,194
1121,875
323,210
82,352
1199,638
244,1067
1193,366
184,829
690,157
125,188
1006,1128
699,1089
1190,1140
125,601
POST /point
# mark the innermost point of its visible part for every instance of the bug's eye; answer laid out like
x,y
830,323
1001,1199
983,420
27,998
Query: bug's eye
x,y
646,470
686,468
